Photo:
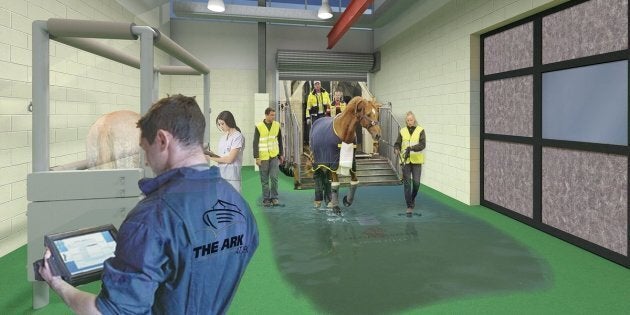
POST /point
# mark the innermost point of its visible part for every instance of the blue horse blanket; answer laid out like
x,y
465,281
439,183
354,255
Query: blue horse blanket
x,y
324,144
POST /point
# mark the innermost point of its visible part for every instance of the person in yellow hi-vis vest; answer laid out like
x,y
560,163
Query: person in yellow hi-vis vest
x,y
317,103
268,155
337,106
411,141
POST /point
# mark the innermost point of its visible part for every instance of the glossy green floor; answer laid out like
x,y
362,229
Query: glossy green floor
x,y
453,259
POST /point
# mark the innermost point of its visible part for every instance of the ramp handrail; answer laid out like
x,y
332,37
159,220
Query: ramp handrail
x,y
390,127
291,134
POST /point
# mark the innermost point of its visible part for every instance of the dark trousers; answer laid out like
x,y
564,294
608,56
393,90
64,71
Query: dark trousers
x,y
411,181
322,185
268,170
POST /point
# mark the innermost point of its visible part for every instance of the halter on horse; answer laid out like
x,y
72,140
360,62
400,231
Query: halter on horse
x,y
326,136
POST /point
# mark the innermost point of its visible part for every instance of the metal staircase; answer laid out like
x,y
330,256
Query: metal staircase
x,y
380,168
371,171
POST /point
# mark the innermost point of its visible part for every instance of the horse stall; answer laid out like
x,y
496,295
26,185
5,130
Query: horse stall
x,y
69,198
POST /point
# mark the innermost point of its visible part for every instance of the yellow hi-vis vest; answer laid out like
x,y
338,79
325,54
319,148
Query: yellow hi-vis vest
x,y
333,109
322,101
268,142
411,140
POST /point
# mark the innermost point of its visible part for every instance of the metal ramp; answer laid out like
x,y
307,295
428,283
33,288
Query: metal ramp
x,y
379,168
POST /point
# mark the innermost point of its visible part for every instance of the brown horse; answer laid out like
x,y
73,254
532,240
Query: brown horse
x,y
326,136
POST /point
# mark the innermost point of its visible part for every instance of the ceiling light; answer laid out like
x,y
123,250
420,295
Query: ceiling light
x,y
324,11
216,5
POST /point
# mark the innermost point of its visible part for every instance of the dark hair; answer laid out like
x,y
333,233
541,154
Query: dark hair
x,y
178,114
228,118
269,110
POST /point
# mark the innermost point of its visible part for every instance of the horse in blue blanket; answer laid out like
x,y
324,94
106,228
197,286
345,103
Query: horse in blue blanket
x,y
326,137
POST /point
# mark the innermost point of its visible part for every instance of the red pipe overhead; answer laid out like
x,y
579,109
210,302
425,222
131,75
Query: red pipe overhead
x,y
350,15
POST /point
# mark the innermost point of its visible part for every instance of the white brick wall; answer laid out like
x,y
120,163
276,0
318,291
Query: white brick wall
x,y
83,87
432,68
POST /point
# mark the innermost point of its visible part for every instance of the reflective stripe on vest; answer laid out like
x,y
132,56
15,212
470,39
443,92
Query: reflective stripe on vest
x,y
268,143
409,140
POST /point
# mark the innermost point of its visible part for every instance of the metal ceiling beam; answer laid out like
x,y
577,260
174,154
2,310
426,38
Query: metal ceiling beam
x,y
352,13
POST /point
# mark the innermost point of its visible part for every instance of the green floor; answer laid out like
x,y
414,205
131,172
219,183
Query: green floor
x,y
453,259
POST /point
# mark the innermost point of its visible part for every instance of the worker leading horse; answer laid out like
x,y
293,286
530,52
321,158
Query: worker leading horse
x,y
331,142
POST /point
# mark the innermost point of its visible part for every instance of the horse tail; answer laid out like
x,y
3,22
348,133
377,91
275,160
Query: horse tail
x,y
106,155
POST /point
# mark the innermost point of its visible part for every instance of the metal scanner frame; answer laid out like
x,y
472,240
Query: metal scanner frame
x,y
79,34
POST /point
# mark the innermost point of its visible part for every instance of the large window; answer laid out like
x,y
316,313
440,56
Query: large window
x,y
588,104
554,119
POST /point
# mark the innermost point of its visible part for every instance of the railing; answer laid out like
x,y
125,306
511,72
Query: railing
x,y
390,128
291,136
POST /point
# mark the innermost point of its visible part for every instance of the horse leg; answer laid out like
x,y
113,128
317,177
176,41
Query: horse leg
x,y
354,183
334,193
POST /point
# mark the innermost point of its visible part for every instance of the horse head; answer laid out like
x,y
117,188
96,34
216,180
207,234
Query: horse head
x,y
366,113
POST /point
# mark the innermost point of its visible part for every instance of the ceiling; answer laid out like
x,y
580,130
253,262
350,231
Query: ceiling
x,y
301,12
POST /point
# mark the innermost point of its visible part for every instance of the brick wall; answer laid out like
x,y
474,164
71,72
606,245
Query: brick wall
x,y
432,69
83,86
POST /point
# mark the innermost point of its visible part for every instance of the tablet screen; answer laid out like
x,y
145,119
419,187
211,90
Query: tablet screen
x,y
86,252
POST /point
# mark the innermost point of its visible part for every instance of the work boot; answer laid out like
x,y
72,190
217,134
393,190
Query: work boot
x,y
275,201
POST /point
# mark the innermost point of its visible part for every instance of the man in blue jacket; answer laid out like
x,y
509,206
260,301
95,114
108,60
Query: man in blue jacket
x,y
183,248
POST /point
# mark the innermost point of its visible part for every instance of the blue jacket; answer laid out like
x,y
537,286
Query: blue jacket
x,y
182,249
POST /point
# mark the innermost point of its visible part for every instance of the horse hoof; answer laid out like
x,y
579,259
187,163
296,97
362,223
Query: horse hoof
x,y
346,202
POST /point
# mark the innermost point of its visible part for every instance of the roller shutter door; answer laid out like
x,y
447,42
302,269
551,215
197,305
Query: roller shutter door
x,y
323,65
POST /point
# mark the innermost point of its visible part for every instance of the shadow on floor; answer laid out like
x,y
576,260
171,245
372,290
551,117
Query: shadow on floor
x,y
374,259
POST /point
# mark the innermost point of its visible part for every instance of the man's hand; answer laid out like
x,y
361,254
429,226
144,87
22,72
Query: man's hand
x,y
45,270
281,159
407,151
258,161
308,121
80,302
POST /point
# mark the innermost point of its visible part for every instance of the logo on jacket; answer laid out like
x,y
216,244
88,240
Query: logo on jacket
x,y
222,214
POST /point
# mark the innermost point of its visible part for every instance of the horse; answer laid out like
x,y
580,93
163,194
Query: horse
x,y
112,141
326,138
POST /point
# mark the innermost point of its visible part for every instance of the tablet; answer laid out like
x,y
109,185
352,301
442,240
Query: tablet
x,y
78,256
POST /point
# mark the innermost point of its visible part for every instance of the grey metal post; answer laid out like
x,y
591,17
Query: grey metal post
x,y
262,52
146,75
41,97
146,66
206,105
41,123
156,86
